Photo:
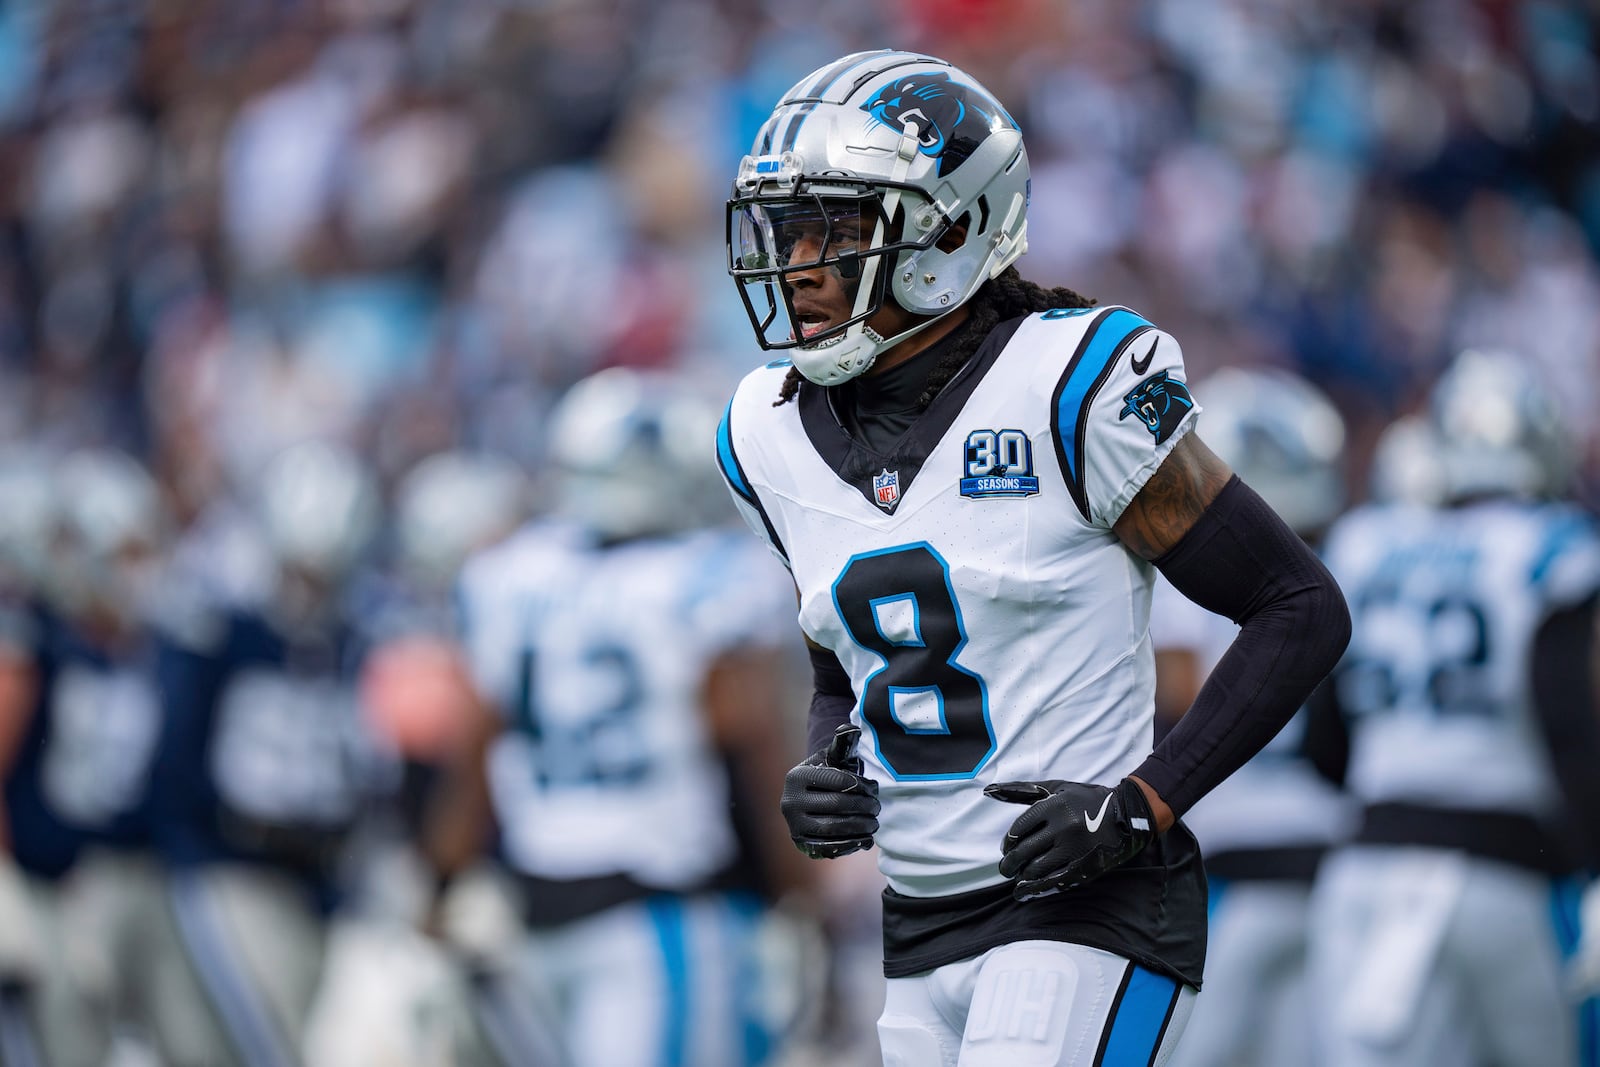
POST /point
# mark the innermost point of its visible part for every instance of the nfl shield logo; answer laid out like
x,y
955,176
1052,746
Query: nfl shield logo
x,y
886,488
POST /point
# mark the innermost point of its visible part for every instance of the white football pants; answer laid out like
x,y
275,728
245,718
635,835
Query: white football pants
x,y
1427,958
1254,1010
1034,1004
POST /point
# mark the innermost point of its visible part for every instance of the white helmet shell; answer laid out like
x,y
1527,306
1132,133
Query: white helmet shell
x,y
1407,463
921,146
452,504
1499,428
319,508
631,455
1282,436
111,527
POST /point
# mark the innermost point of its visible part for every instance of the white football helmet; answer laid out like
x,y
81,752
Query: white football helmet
x,y
111,526
631,454
898,148
1407,463
1500,430
450,505
319,508
1282,436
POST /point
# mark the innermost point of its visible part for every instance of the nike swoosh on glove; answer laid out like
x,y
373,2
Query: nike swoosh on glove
x,y
831,808
1071,834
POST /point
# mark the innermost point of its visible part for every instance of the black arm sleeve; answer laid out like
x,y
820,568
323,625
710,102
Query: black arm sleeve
x,y
1242,561
832,699
1564,696
1327,741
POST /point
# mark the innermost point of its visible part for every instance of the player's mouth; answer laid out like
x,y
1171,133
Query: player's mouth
x,y
811,322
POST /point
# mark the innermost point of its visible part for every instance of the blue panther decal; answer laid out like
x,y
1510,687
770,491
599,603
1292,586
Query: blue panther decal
x,y
1160,402
952,119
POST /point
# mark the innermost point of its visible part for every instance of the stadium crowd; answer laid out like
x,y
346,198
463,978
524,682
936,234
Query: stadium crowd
x,y
329,246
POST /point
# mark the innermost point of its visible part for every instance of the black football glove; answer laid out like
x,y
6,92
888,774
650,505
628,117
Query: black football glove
x,y
831,809
1072,833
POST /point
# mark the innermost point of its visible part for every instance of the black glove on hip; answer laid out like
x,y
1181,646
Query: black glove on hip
x,y
831,809
1072,833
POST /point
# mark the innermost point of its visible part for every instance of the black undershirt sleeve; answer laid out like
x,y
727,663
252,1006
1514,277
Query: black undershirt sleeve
x,y
1564,697
832,699
1242,561
1327,740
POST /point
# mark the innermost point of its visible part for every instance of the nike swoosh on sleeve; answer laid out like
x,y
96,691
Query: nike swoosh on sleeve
x,y
1140,366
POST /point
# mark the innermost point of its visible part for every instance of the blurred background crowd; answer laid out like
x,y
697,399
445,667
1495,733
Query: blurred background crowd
x,y
396,229
411,224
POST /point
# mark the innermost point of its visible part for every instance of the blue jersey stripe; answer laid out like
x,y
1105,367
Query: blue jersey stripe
x,y
1562,536
1140,1020
730,462
1088,370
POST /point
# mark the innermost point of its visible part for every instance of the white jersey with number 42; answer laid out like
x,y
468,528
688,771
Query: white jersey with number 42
x,y
993,626
1436,681
596,657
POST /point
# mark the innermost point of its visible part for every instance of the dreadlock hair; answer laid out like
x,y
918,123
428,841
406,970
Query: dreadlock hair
x,y
1005,297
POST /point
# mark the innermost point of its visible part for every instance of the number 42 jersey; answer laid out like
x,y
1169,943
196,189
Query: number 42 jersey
x,y
1436,683
993,626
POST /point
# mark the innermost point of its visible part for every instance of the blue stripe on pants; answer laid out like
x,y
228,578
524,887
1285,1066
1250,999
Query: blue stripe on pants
x,y
667,914
1566,899
744,913
247,1021
1140,1019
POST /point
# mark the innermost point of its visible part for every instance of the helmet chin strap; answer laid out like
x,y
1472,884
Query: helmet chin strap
x,y
855,351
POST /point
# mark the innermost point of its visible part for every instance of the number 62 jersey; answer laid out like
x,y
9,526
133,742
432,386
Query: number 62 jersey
x,y
993,626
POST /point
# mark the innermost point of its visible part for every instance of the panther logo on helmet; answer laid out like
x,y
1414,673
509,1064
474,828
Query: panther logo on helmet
x,y
952,119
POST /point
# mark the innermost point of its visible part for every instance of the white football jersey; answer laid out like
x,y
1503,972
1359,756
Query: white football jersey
x,y
1445,605
597,656
993,626
1277,799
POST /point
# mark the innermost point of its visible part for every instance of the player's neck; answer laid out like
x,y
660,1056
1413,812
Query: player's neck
x,y
920,342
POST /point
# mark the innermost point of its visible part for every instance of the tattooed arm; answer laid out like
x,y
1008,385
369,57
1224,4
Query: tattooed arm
x,y
1174,498
1221,546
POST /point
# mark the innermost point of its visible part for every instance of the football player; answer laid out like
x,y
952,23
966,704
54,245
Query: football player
x,y
76,722
1264,830
629,660
1437,933
391,993
265,766
972,480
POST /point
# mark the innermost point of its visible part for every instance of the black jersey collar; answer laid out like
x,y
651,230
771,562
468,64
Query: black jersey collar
x,y
857,464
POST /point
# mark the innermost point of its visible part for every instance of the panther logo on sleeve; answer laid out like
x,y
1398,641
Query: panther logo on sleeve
x,y
952,119
1160,402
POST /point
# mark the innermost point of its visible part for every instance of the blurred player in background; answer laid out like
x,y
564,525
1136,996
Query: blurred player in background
x,y
1264,830
972,479
1468,691
81,542
628,656
265,767
105,711
392,994
416,692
